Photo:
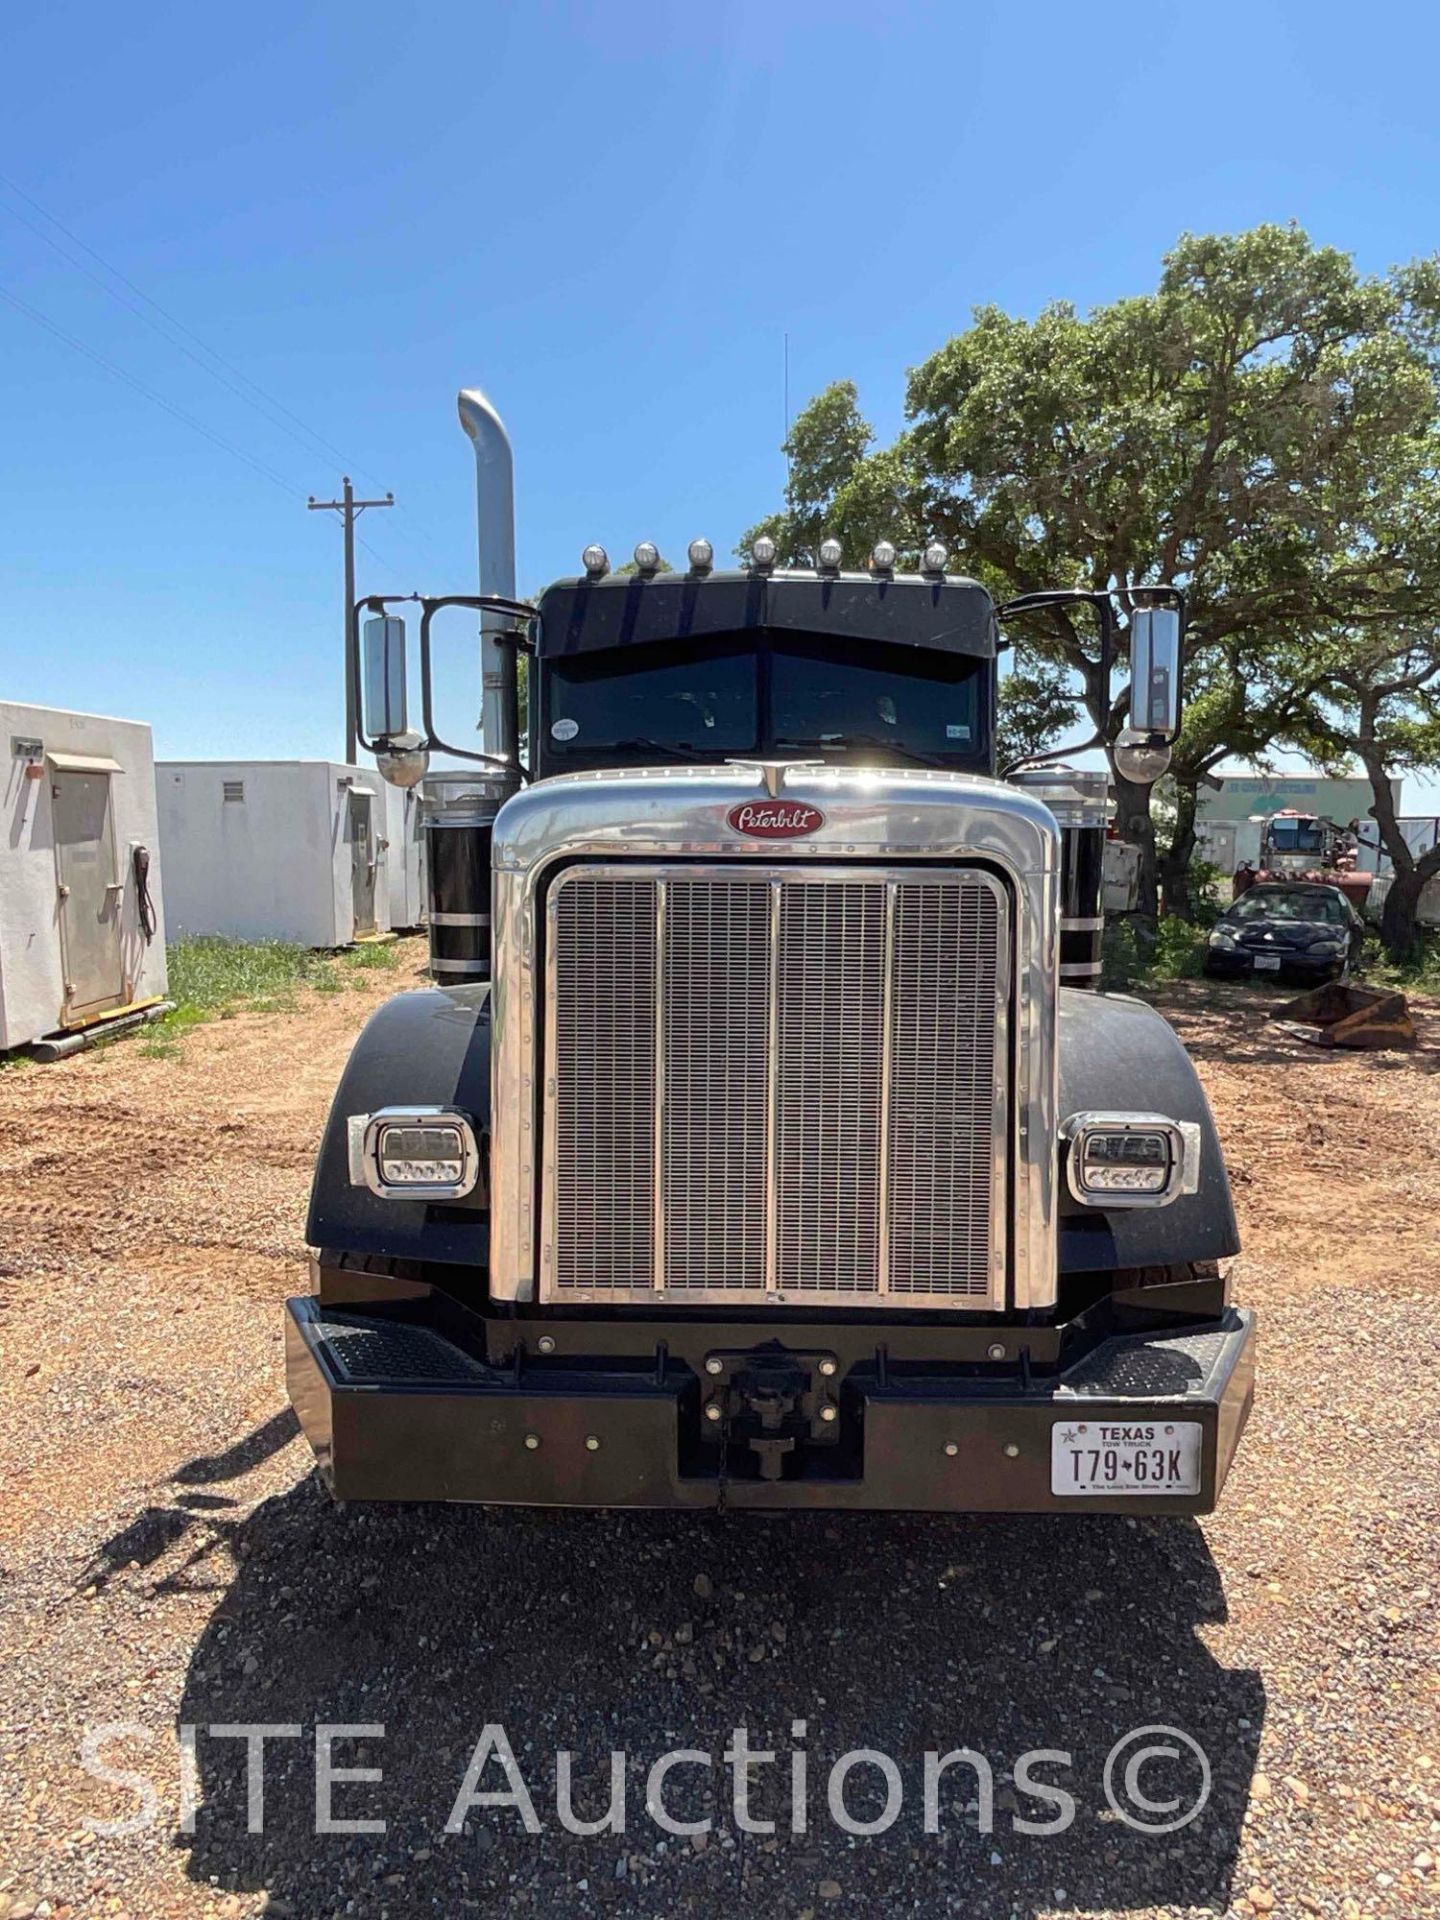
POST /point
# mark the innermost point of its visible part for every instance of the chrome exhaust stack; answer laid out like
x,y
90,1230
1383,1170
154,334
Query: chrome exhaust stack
x,y
495,490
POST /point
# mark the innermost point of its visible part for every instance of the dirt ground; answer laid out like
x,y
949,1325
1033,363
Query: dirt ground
x,y
167,1560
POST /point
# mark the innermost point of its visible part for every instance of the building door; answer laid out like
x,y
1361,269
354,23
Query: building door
x,y
90,895
362,862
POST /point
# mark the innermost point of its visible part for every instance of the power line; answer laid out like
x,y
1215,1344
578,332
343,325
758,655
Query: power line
x,y
179,325
276,406
177,413
149,393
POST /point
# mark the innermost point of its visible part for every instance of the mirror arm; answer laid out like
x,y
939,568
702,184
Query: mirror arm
x,y
429,606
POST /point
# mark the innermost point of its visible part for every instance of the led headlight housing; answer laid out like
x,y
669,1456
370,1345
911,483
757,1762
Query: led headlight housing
x,y
1131,1159
414,1153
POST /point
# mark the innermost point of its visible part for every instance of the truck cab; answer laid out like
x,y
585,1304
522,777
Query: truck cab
x,y
763,1140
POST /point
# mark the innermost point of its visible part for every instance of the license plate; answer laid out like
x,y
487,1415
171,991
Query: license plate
x,y
1118,1456
1267,963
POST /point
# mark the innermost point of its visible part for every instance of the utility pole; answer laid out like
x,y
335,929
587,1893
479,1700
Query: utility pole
x,y
350,510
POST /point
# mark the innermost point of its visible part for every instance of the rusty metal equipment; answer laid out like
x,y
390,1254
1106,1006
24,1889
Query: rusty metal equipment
x,y
1341,1015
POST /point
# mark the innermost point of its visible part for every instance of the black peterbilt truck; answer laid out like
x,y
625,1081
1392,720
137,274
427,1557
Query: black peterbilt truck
x,y
764,1140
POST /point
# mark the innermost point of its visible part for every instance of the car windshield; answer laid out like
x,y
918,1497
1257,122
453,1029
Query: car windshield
x,y
1280,903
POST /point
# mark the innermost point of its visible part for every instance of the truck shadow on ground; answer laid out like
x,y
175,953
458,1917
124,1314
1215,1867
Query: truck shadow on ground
x,y
646,1632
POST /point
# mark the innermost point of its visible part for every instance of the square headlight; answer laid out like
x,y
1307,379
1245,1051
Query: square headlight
x,y
1130,1160
416,1153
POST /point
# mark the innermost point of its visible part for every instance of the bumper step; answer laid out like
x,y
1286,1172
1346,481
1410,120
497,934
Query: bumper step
x,y
1169,1366
396,1410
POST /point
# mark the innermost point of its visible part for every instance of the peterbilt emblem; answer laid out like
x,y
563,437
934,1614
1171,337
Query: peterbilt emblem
x,y
775,819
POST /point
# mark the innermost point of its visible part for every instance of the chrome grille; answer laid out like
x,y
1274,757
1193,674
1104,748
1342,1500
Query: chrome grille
x,y
716,1126
943,1104
830,1010
780,1083
603,1112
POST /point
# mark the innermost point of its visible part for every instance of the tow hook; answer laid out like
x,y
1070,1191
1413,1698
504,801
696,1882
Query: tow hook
x,y
772,1401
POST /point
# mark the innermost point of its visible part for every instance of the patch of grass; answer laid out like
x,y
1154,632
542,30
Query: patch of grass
x,y
1132,957
383,958
1418,972
208,973
212,979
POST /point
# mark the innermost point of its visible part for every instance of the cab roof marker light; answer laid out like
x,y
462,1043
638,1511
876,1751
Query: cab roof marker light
x,y
595,561
646,557
763,553
936,558
882,558
831,554
701,556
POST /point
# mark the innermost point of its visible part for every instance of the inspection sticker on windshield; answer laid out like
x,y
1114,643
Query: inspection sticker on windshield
x,y
564,729
952,732
1125,1456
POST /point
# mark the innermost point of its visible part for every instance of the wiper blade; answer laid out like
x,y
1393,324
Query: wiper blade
x,y
873,740
642,743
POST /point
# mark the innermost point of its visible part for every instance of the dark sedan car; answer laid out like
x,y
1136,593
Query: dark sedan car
x,y
1297,931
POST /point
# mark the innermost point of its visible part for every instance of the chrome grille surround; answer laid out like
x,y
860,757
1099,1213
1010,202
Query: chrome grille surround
x,y
665,815
808,1107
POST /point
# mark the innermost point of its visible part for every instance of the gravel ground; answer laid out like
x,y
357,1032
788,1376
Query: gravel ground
x,y
167,1559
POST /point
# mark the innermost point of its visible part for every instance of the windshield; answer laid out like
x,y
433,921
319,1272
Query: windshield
x,y
927,708
1297,836
697,705
837,699
1275,903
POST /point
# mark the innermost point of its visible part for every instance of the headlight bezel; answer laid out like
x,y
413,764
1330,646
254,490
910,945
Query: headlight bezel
x,y
1181,1143
367,1140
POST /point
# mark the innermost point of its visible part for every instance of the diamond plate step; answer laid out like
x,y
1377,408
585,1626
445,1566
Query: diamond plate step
x,y
1154,1366
365,1352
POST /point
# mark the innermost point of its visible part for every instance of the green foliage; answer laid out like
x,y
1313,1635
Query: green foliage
x,y
1417,970
1133,956
208,973
1037,708
211,978
1209,892
382,956
1263,428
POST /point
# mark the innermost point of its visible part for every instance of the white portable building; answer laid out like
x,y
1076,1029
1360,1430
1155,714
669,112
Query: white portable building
x,y
82,937
1419,833
405,856
274,849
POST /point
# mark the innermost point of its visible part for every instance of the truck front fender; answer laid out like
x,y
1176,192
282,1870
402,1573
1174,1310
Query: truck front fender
x,y
1118,1055
429,1048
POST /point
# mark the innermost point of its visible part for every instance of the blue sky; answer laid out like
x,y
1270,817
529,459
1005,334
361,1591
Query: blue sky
x,y
608,216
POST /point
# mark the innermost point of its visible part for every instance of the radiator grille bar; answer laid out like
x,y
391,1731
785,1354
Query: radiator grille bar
x,y
776,1084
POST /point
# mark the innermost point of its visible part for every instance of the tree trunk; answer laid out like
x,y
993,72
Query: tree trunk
x,y
1399,928
1175,867
1133,822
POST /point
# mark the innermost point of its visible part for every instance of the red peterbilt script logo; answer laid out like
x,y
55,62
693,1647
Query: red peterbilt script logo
x,y
775,819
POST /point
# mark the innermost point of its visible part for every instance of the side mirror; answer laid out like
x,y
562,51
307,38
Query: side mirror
x,y
383,655
1155,641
